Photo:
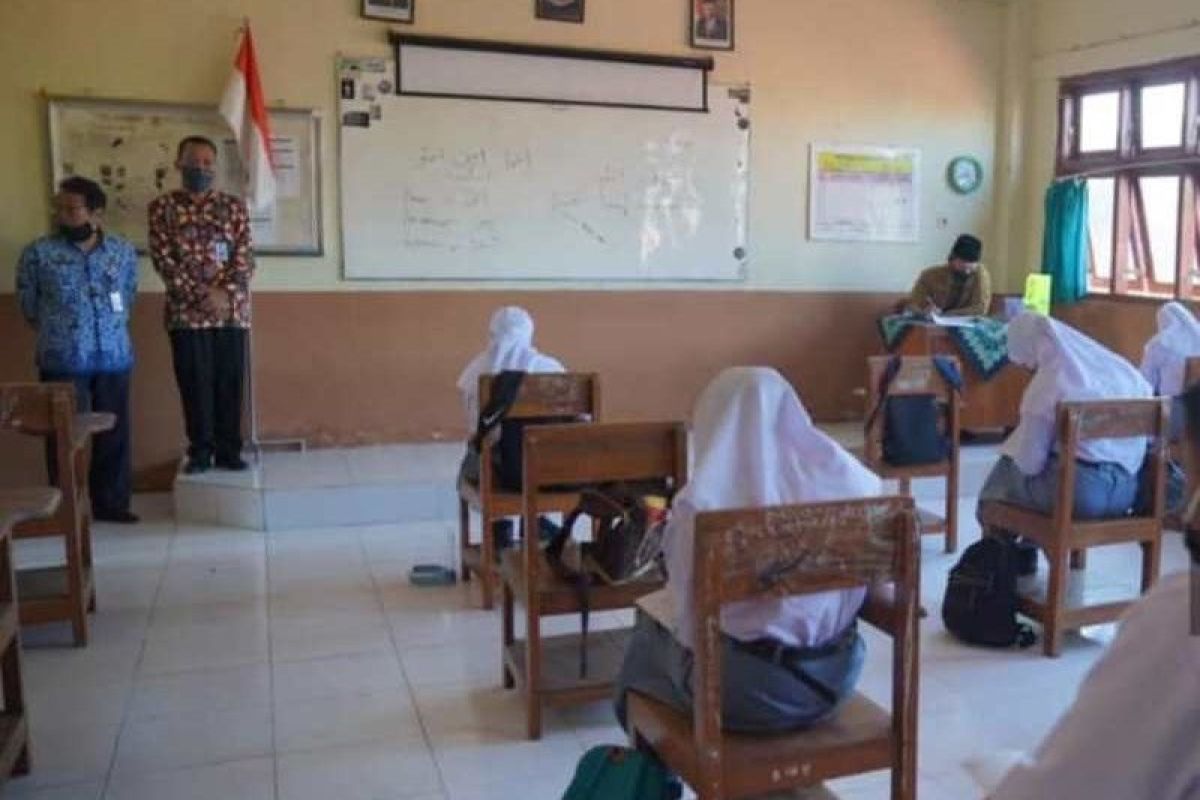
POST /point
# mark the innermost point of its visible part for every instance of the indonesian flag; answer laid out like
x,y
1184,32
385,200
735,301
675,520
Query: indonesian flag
x,y
244,108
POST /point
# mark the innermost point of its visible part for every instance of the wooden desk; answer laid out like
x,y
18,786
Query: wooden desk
x,y
16,505
992,404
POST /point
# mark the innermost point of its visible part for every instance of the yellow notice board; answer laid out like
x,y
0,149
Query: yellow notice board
x,y
863,193
1037,293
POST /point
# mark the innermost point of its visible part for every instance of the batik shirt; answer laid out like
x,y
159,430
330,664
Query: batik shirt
x,y
197,243
79,303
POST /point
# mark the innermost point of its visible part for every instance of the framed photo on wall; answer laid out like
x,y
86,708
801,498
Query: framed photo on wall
x,y
559,10
711,24
390,10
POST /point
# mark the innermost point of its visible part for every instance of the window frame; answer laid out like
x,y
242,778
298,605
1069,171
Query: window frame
x,y
1132,274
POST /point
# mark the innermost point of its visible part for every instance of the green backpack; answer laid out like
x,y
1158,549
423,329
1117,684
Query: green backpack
x,y
619,773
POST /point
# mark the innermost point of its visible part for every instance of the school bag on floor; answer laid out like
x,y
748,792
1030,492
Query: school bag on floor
x,y
980,605
609,772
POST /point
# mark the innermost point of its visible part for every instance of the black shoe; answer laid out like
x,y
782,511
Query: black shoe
x,y
1027,558
121,517
232,464
195,466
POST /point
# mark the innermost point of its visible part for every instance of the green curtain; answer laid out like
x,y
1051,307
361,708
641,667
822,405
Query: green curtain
x,y
1065,246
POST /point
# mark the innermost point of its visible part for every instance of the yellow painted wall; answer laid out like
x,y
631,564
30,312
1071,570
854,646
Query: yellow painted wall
x,y
1073,37
906,72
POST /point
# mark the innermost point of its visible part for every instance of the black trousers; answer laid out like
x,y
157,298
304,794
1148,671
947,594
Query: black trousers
x,y
110,480
210,366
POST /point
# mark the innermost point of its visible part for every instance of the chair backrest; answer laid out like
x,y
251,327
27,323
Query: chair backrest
x,y
917,375
1081,420
801,549
564,455
37,409
550,394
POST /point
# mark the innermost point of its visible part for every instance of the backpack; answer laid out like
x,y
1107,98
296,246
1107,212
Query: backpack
x,y
626,547
980,605
508,448
618,773
913,425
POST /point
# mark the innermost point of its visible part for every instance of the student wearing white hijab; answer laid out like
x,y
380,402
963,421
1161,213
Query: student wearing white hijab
x,y
1163,358
788,662
1131,732
510,347
1068,366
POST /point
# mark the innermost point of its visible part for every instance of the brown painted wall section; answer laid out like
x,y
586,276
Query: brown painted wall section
x,y
357,368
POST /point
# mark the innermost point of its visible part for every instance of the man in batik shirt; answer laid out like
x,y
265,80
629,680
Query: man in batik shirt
x,y
200,245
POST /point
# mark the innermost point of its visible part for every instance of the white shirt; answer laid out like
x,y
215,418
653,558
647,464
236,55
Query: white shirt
x,y
1133,732
1166,353
1069,366
756,446
510,348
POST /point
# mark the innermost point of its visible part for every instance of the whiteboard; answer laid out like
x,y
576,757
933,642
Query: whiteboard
x,y
128,147
437,188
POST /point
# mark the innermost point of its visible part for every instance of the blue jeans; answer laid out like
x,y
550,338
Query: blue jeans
x,y
1101,490
757,695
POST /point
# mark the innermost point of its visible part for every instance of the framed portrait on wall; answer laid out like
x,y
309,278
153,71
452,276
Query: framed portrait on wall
x,y
390,10
711,24
559,10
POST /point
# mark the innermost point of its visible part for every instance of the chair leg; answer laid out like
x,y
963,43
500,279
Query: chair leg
x,y
533,672
1151,563
487,559
1079,559
1055,601
507,634
464,538
952,522
905,486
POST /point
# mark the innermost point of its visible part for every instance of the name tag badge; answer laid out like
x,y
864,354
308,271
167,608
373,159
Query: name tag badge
x,y
221,251
118,304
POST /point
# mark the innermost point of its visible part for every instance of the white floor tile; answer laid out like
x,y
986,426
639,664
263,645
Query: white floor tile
x,y
23,789
203,690
206,645
337,676
252,779
375,771
303,638
344,720
193,739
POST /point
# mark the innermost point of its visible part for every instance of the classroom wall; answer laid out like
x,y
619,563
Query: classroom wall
x,y
904,72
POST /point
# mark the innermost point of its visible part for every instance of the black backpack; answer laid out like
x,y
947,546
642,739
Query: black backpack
x,y
980,606
508,449
914,430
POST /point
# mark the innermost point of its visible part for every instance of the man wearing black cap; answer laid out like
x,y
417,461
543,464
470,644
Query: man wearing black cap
x,y
961,287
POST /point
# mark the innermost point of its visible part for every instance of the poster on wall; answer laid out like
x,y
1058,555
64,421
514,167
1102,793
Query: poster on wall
x,y
864,194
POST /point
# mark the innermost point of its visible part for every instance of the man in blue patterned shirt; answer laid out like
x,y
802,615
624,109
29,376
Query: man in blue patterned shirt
x,y
76,288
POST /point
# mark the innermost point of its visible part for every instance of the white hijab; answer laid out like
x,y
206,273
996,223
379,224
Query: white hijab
x,y
1178,339
1070,366
757,446
510,348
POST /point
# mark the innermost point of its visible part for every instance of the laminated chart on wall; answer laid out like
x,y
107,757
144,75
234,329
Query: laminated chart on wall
x,y
864,194
454,188
129,148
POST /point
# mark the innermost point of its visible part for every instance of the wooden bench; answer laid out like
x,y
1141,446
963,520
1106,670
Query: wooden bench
x,y
541,395
1065,540
66,592
917,376
547,668
823,546
16,505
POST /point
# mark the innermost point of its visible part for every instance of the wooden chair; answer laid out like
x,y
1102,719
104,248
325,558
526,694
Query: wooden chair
x,y
917,376
547,668
67,592
540,395
16,505
1064,539
818,547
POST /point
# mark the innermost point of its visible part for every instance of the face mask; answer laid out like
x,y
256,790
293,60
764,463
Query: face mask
x,y
196,179
77,233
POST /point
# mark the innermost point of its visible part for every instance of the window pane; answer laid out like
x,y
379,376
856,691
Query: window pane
x,y
1161,198
1162,115
1101,196
1099,114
